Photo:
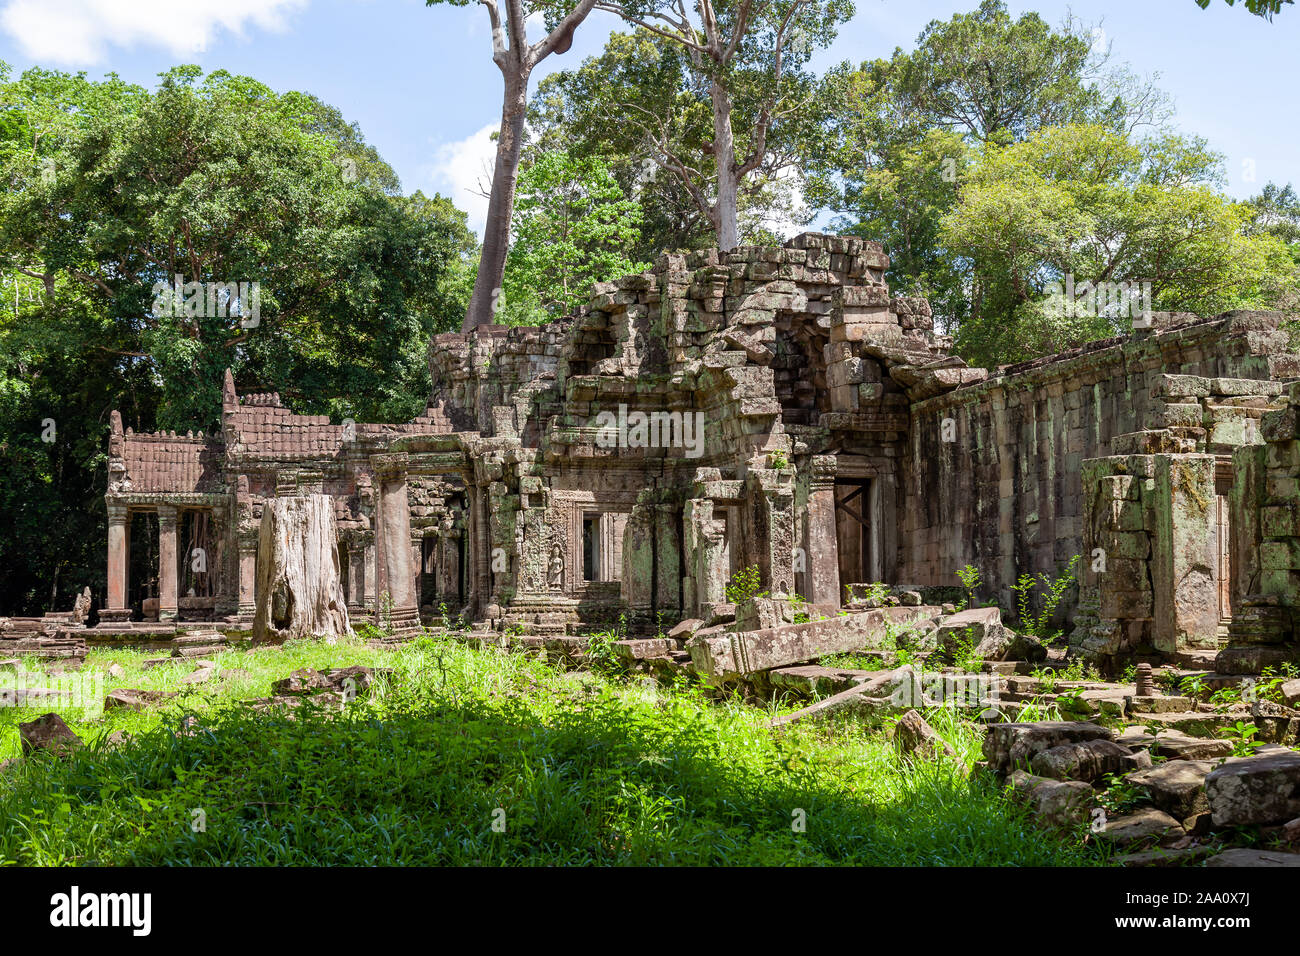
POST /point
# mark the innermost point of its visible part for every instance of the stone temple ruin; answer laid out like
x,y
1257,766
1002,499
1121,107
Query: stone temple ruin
x,y
769,408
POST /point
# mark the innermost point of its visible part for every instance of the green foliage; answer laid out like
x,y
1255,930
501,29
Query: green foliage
x,y
1242,736
572,224
902,132
970,580
1119,796
1043,215
1039,623
745,584
577,768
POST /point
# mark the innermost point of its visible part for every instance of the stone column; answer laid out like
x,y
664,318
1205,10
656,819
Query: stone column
x,y
822,563
668,566
167,521
119,527
394,527
247,575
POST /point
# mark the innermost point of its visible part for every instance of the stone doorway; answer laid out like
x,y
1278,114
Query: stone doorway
x,y
856,531
1222,530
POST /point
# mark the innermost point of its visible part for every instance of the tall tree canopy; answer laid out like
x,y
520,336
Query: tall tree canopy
x,y
1080,203
642,95
516,58
572,225
110,190
899,130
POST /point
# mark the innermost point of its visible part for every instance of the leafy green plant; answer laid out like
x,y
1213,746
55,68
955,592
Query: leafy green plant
x,y
1242,736
745,584
1039,623
970,580
798,609
1120,796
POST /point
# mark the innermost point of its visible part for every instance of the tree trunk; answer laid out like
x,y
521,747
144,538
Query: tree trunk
x,y
725,218
501,204
299,589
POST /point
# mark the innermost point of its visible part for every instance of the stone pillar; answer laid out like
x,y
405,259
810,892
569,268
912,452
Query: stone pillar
x,y
119,527
822,561
706,550
394,528
668,565
1185,560
771,500
638,557
167,521
247,575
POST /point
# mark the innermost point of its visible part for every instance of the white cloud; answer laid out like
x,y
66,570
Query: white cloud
x,y
463,171
80,32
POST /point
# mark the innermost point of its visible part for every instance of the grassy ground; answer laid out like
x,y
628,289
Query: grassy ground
x,y
481,757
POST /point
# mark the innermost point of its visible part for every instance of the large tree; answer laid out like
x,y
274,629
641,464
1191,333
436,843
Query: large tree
x,y
899,130
572,227
516,58
642,93
1082,204
742,49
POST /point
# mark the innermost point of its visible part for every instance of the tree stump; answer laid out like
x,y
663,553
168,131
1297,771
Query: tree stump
x,y
299,588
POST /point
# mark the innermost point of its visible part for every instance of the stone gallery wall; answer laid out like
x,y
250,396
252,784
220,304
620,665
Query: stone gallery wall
x,y
995,471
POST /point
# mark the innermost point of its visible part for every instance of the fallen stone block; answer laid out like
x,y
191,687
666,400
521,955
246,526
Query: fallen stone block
x,y
915,738
1140,828
639,649
306,680
1188,723
1182,747
1165,856
1176,786
682,631
1054,803
814,680
1012,746
1290,692
1247,857
47,733
129,698
1255,790
737,655
1085,760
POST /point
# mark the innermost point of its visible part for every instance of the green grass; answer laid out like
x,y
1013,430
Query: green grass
x,y
580,768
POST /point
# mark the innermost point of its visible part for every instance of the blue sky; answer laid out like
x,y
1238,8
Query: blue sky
x,y
422,86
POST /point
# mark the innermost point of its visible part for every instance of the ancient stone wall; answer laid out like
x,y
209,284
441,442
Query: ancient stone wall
x,y
995,471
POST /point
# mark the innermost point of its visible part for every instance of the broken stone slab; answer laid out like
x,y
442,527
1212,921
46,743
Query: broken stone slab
x,y
913,737
28,696
1188,723
638,649
200,675
1085,760
116,670
153,662
814,680
736,655
981,625
305,680
11,664
1255,790
682,631
1054,803
1290,691
47,733
1140,828
1165,856
1241,856
325,700
129,698
868,698
361,678
1011,746
1176,786
1182,747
